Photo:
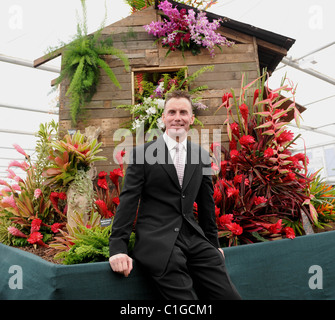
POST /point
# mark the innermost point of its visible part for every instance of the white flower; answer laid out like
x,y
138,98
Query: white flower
x,y
160,103
151,110
137,123
147,100
160,123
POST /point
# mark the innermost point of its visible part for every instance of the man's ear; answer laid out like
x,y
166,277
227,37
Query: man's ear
x,y
192,118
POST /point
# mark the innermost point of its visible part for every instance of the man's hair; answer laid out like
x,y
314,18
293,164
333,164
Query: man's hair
x,y
178,94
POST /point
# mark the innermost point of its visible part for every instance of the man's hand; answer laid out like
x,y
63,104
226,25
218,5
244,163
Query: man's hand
x,y
221,251
121,263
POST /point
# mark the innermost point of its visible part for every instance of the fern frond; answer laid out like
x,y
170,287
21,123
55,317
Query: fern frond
x,y
109,72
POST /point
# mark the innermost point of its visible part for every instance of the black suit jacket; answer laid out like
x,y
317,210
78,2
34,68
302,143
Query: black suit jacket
x,y
151,186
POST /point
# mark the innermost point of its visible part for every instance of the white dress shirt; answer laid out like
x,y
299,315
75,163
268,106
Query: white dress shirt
x,y
171,143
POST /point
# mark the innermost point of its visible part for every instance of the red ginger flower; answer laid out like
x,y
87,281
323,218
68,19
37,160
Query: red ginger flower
x,y
235,228
234,153
244,111
276,227
115,174
285,136
235,129
259,200
35,237
246,140
55,227
223,167
217,195
116,201
268,153
256,94
290,177
102,182
225,98
232,192
289,232
233,144
35,225
225,219
103,207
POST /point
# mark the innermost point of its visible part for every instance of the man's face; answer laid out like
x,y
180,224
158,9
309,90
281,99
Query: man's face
x,y
177,117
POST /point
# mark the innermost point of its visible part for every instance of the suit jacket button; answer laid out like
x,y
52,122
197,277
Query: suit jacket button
x,y
176,229
183,196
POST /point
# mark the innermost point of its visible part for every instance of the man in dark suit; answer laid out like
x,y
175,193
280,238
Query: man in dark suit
x,y
165,179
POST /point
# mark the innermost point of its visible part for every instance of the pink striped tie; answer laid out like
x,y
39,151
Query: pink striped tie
x,y
179,163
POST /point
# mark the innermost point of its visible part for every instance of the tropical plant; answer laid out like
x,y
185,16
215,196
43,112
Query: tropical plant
x,y
259,185
27,211
184,30
68,156
323,199
81,64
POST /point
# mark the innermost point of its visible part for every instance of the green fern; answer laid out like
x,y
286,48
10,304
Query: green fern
x,y
82,62
90,245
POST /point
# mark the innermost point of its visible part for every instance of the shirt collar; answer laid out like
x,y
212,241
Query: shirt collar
x,y
171,143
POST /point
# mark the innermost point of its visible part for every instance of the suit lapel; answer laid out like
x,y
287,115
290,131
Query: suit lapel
x,y
191,163
164,159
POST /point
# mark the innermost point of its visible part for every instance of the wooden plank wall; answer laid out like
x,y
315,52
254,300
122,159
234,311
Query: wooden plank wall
x,y
130,36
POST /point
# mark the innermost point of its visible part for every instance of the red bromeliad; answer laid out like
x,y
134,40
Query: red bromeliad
x,y
261,185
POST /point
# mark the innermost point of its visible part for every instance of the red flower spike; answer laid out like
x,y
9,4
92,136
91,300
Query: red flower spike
x,y
289,233
244,111
276,227
246,140
35,225
235,228
256,94
268,153
35,237
115,174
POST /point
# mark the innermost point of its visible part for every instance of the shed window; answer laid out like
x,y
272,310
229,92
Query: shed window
x,y
149,82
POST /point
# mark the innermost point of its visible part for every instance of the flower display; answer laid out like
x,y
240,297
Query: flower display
x,y
186,30
27,206
264,188
150,92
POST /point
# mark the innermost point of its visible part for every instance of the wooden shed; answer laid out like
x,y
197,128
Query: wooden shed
x,y
254,50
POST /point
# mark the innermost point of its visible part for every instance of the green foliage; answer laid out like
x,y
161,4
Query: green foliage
x,y
5,236
323,200
90,245
46,134
81,64
138,5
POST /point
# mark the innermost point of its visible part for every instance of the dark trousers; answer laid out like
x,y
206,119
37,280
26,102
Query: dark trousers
x,y
196,270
